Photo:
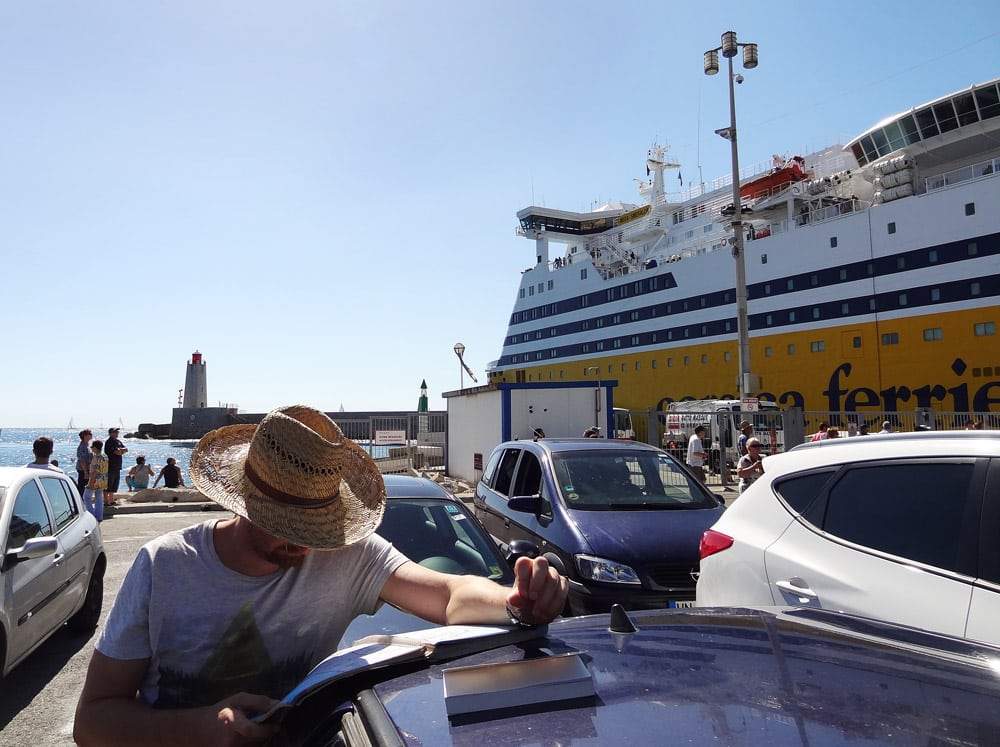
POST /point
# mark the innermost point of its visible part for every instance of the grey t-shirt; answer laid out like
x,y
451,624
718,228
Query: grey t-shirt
x,y
210,632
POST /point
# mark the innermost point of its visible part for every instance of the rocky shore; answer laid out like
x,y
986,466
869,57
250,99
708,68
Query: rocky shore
x,y
163,495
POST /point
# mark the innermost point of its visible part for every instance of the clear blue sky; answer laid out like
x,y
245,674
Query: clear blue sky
x,y
321,196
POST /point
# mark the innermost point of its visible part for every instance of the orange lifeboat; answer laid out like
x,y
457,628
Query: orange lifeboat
x,y
780,176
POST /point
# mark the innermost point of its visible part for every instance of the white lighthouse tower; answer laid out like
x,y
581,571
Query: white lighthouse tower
x,y
195,383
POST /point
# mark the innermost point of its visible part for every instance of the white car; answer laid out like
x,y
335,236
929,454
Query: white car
x,y
53,561
900,527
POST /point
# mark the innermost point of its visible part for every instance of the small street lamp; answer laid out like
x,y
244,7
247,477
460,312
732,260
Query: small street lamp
x,y
746,383
460,351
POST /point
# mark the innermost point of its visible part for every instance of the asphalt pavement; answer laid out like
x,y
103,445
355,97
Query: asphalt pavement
x,y
38,698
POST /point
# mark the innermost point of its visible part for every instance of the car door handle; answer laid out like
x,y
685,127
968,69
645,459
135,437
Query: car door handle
x,y
57,558
798,588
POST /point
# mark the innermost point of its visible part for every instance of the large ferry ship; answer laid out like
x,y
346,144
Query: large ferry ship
x,y
872,270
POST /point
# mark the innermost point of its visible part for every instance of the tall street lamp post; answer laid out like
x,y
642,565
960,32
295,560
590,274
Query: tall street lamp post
x,y
597,394
747,383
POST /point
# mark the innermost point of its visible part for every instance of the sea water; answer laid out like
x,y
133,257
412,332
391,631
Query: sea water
x,y
15,450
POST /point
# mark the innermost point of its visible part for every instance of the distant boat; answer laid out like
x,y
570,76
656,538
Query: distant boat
x,y
71,422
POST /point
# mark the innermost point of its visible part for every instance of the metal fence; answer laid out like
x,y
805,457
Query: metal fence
x,y
900,422
400,442
649,426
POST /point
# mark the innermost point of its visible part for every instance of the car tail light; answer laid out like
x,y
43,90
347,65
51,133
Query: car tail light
x,y
713,542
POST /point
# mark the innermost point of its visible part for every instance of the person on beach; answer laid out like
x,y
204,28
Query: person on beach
x,y
214,622
83,459
138,477
171,474
42,448
114,449
93,494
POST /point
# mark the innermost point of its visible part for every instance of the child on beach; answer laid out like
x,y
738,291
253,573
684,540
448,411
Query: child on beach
x,y
93,496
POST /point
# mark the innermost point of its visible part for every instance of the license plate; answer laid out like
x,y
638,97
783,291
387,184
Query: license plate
x,y
680,605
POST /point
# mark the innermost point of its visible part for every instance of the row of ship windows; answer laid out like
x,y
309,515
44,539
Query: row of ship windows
x,y
958,290
963,109
931,334
912,260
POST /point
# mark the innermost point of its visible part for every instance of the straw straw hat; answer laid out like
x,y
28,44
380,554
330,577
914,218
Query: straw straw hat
x,y
295,476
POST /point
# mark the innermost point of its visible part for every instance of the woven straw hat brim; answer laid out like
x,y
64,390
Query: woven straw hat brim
x,y
217,470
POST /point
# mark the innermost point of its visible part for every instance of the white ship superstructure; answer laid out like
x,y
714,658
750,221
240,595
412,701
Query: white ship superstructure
x,y
869,266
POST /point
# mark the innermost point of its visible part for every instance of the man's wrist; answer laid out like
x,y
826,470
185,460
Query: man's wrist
x,y
515,619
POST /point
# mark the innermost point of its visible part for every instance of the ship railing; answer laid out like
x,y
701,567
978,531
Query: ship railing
x,y
832,212
964,174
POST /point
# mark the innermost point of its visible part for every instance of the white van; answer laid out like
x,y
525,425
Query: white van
x,y
721,418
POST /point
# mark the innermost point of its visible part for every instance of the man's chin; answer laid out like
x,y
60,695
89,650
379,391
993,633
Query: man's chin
x,y
285,559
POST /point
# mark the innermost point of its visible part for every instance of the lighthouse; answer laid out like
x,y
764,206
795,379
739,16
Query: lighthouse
x,y
195,383
422,411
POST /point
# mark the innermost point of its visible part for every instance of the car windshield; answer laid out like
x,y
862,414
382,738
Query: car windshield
x,y
615,480
439,535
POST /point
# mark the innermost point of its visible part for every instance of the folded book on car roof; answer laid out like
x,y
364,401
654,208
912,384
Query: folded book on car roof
x,y
375,651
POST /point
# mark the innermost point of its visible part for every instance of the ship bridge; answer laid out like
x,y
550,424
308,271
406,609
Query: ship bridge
x,y
954,126
567,223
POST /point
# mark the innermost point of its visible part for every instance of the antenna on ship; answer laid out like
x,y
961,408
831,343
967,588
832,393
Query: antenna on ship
x,y
701,178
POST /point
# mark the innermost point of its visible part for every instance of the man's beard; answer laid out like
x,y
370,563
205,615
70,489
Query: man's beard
x,y
286,556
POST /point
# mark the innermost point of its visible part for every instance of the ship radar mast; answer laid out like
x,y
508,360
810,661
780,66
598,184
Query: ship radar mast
x,y
656,163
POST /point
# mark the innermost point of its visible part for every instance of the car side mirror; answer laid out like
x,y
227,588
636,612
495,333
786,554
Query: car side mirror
x,y
529,504
37,547
521,548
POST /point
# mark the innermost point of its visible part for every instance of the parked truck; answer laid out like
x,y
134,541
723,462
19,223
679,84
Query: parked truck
x,y
721,418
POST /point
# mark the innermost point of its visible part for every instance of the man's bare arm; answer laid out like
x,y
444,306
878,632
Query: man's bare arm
x,y
538,594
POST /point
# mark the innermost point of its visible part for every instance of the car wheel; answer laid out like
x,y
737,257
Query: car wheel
x,y
86,618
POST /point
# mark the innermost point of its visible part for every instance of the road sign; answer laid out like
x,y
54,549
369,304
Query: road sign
x,y
749,404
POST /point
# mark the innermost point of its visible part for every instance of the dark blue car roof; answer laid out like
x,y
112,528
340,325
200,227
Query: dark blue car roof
x,y
756,677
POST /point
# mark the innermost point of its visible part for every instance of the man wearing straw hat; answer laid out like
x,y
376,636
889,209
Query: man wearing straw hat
x,y
215,621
